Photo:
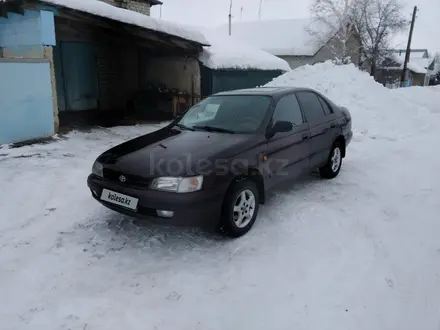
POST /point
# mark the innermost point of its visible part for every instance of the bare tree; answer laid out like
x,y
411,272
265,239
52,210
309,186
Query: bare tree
x,y
437,59
332,21
376,21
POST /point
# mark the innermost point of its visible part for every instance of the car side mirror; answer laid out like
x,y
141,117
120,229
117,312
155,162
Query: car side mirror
x,y
280,127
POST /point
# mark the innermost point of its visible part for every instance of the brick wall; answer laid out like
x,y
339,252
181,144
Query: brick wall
x,y
140,6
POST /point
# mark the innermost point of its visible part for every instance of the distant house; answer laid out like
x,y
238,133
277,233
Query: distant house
x,y
293,40
420,68
228,64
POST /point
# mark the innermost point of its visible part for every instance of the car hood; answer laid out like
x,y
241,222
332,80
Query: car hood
x,y
173,151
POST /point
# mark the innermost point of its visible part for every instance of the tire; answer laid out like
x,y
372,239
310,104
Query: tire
x,y
334,163
230,224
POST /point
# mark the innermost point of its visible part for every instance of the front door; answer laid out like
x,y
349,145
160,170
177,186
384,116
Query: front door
x,y
288,153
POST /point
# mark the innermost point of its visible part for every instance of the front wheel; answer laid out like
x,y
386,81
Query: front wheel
x,y
240,208
334,163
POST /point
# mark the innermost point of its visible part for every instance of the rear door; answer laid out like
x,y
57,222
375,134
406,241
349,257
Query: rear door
x,y
323,129
288,153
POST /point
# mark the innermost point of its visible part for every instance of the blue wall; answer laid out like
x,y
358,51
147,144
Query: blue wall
x,y
26,108
35,27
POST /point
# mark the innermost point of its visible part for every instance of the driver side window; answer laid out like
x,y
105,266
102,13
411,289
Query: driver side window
x,y
288,109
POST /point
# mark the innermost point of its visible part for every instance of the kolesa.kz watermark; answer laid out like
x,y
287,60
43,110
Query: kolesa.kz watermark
x,y
177,166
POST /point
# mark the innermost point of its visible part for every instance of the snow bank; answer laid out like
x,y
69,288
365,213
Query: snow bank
x,y
426,97
226,52
102,9
377,111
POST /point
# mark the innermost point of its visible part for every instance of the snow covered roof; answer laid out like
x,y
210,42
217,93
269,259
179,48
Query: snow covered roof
x,y
226,52
282,37
102,9
417,65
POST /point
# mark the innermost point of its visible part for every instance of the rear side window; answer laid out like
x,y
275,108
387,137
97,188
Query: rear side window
x,y
327,109
311,106
288,109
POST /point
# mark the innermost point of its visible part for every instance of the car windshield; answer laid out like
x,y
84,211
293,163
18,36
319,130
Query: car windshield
x,y
228,113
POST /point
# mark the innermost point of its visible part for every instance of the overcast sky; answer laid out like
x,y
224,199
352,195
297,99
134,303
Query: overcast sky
x,y
215,12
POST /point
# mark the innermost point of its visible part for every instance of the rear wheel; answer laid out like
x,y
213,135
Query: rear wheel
x,y
240,208
334,163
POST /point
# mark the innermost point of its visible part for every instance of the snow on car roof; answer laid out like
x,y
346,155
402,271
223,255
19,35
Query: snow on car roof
x,y
102,9
226,52
282,37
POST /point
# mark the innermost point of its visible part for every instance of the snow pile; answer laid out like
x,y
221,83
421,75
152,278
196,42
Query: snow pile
x,y
426,97
377,111
282,37
226,52
102,9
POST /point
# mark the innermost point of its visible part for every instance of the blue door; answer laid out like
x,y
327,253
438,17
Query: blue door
x,y
80,77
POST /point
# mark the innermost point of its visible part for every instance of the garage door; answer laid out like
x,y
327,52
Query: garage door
x,y
76,74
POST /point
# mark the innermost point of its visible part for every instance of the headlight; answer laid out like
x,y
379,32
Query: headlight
x,y
97,169
179,185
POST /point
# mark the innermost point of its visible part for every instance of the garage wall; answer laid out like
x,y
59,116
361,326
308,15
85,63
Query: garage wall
x,y
175,72
26,107
26,42
26,33
118,75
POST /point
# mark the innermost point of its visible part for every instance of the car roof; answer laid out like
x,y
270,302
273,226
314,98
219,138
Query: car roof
x,y
265,91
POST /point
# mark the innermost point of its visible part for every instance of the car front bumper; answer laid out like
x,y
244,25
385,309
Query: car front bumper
x,y
200,209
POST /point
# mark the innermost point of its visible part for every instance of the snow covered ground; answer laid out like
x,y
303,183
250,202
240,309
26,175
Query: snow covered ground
x,y
358,252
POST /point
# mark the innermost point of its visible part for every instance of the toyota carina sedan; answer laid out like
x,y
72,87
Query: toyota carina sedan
x,y
213,165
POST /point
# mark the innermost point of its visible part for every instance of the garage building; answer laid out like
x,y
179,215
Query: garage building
x,y
64,61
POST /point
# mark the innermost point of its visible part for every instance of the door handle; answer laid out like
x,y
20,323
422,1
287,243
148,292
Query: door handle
x,y
305,137
333,125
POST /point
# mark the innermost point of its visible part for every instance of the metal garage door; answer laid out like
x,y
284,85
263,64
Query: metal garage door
x,y
76,74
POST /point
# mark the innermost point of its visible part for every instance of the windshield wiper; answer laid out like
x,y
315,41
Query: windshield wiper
x,y
181,126
214,129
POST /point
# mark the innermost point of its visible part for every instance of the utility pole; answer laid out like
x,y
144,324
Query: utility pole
x,y
408,50
259,10
241,13
230,18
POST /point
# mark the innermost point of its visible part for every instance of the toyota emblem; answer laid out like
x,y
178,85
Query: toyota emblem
x,y
122,178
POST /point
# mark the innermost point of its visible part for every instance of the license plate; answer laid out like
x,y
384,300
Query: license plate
x,y
119,199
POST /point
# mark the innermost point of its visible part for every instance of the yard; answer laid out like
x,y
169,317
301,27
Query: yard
x,y
361,251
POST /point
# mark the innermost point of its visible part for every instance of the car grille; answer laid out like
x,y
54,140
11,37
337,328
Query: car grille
x,y
130,180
